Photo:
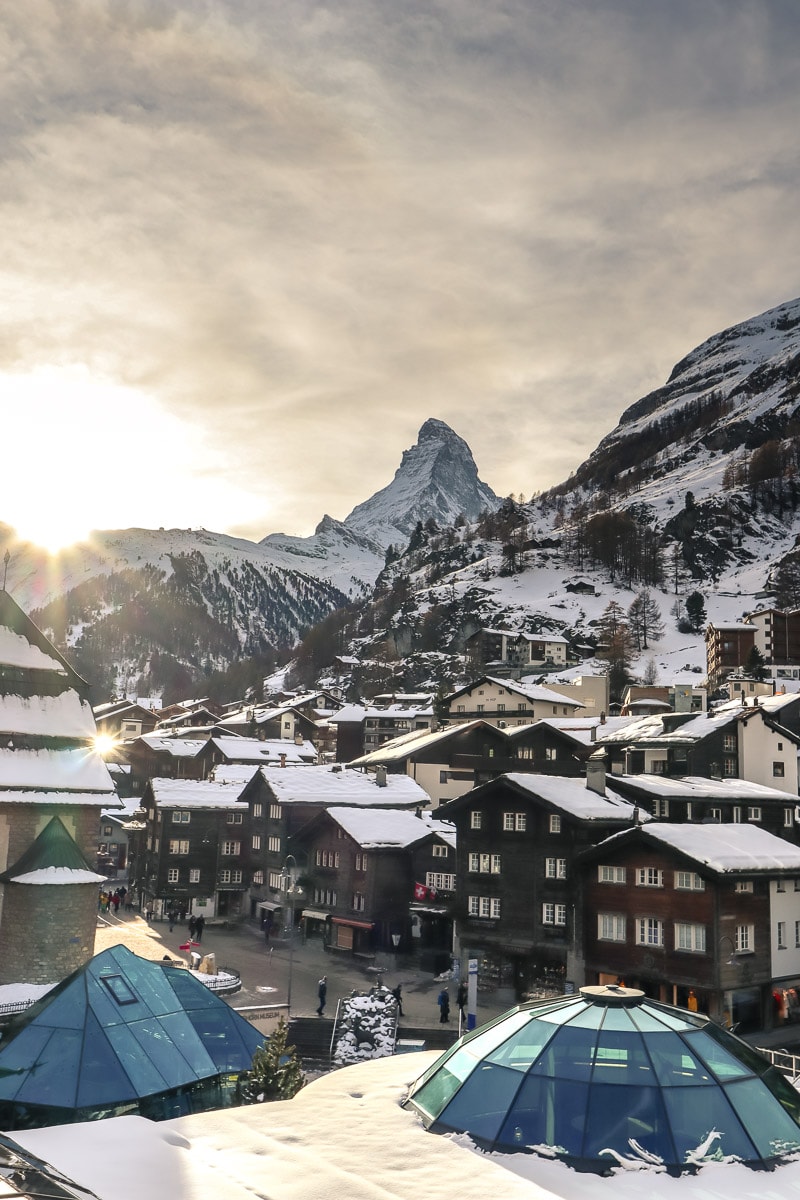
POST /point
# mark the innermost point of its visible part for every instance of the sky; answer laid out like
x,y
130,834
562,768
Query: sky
x,y
250,246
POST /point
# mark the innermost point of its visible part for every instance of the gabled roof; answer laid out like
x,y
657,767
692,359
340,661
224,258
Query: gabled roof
x,y
561,793
724,849
698,787
23,645
408,744
390,828
194,793
532,691
327,785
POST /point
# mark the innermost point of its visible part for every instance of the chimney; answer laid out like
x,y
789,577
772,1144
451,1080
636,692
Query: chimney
x,y
298,739
380,776
596,772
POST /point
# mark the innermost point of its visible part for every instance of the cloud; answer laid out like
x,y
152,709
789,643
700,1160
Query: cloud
x,y
304,229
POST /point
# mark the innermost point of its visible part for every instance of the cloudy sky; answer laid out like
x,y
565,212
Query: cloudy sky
x,y
249,246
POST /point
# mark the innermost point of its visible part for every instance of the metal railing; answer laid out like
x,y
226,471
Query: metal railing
x,y
788,1063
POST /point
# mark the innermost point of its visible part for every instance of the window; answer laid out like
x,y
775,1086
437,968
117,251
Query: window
x,y
258,810
649,931
744,886
484,906
736,814
729,743
754,812
522,707
555,868
777,770
230,876
194,875
443,776
781,935
649,877
358,901
555,823
460,708
715,814
501,708
361,861
275,812
729,767
661,809
611,927
258,878
689,881
554,914
274,845
234,818
325,896
515,822
231,848
485,863
173,875
475,819
275,880
780,885
176,847
479,708
107,831
690,937
788,818
327,858
255,841
179,818
439,851
745,939
440,881
611,874
550,754
689,810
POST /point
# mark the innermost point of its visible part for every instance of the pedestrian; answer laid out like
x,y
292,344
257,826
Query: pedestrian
x,y
322,992
397,992
199,925
461,999
443,1000
192,925
171,919
115,899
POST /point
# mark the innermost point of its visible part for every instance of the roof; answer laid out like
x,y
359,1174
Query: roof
x,y
533,691
254,750
408,744
67,715
195,793
53,858
387,828
176,747
568,795
329,785
698,787
723,848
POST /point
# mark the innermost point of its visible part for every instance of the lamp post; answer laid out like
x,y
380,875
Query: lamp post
x,y
292,892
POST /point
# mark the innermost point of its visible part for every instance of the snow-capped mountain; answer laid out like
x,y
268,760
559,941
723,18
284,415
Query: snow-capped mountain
x,y
437,478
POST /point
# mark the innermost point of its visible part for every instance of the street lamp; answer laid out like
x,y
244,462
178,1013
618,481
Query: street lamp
x,y
292,892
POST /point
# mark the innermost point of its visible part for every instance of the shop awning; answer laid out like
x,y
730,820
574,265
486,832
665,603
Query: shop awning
x,y
315,914
427,908
270,905
353,924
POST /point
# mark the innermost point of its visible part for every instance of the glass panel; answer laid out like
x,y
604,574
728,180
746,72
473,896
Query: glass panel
x,y
559,1016
103,1005
617,1117
435,1093
482,1102
621,1059
547,1112
522,1050
102,1079
67,1010
590,1018
156,1046
53,1078
788,1095
697,1112
185,1039
671,1019
747,1054
225,1050
768,1123
717,1057
569,1055
619,1018
674,1063
488,1040
17,1057
145,1078
647,1021
189,992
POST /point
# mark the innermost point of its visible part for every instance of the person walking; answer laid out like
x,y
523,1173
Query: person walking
x,y
199,925
397,992
192,925
461,999
443,1000
322,992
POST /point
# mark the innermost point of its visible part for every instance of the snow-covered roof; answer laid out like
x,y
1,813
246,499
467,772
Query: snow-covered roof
x,y
69,771
326,785
253,750
726,848
195,793
530,691
572,796
17,651
699,787
387,828
66,715
399,748
55,876
349,712
176,747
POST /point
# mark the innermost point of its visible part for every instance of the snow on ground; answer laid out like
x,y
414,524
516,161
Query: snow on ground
x,y
346,1136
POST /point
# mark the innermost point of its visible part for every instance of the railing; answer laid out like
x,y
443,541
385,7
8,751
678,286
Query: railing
x,y
784,1061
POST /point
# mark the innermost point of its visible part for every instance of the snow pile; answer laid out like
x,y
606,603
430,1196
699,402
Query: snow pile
x,y
367,1027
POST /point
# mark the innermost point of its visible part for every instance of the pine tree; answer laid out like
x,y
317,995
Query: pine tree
x,y
696,611
274,1073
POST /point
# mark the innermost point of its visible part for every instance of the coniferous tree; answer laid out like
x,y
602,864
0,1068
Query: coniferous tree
x,y
696,611
274,1073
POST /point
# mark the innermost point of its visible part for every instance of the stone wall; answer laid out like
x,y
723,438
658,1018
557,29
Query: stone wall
x,y
48,931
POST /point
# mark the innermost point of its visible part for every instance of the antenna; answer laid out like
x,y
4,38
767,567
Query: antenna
x,y
6,561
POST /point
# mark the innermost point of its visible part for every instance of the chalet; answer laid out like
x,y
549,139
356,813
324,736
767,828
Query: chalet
x,y
515,649
392,716
677,908
282,800
123,720
227,751
362,867
165,757
505,703
53,787
197,852
696,799
518,839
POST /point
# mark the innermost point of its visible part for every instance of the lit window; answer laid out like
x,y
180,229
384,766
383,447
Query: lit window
x,y
274,845
256,841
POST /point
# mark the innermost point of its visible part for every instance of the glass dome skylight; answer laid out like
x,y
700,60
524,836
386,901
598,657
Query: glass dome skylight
x,y
609,1076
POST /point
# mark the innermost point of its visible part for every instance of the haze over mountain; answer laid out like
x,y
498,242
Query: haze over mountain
x,y
696,488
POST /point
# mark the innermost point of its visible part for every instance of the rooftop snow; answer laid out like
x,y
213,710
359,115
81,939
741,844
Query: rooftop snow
x,y
699,787
17,651
195,793
574,797
323,785
729,847
79,770
55,716
387,828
